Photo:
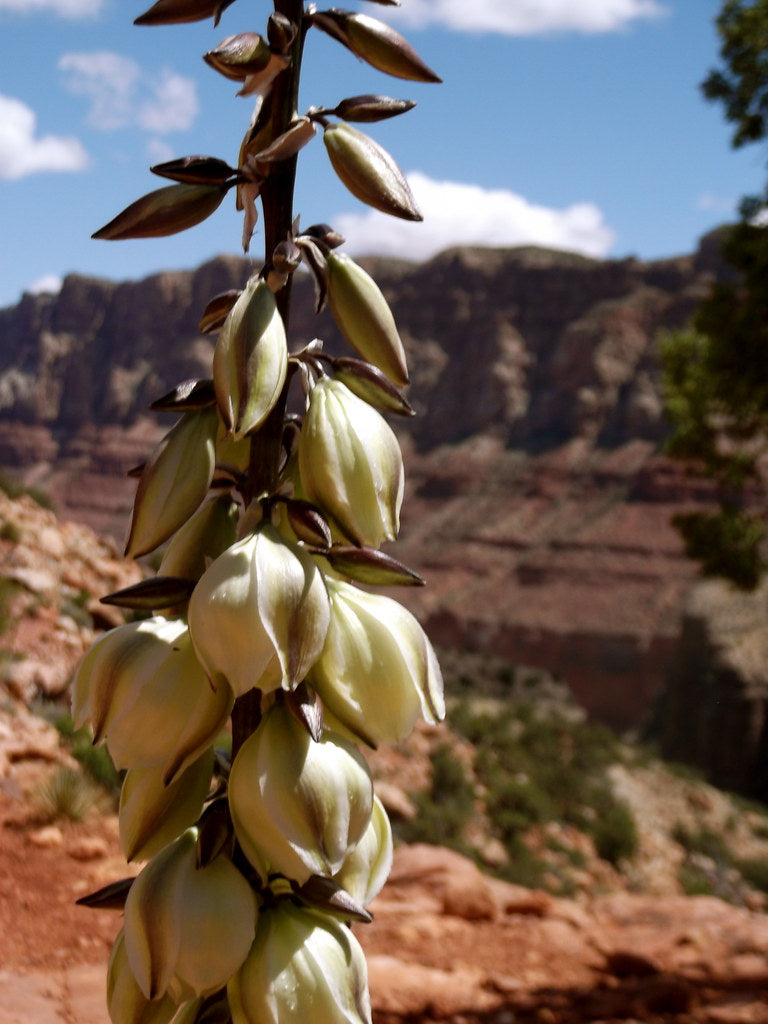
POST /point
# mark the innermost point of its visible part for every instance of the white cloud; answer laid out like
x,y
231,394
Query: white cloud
x,y
48,283
158,151
122,94
527,17
23,152
64,8
716,204
461,214
172,106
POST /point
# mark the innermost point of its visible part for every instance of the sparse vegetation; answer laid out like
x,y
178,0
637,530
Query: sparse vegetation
x,y
10,533
445,810
13,489
71,795
94,760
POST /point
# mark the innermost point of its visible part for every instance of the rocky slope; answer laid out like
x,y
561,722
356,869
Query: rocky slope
x,y
448,943
536,494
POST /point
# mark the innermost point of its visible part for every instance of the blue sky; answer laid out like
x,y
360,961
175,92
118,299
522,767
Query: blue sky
x,y
570,123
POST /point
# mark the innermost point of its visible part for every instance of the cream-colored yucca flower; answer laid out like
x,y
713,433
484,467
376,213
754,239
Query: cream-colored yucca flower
x,y
153,813
350,463
303,968
367,866
204,536
126,1003
259,614
187,928
377,672
298,806
174,481
143,690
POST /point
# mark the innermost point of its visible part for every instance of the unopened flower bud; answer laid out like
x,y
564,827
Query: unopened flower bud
x,y
259,614
217,310
378,672
174,481
174,12
153,813
364,317
367,866
195,170
375,42
166,211
350,464
370,384
369,108
187,929
250,360
304,966
369,172
298,806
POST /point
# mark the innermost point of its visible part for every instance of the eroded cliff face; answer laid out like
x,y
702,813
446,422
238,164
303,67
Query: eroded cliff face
x,y
538,507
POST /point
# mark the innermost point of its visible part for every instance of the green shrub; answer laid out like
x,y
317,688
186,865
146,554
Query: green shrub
x,y
694,881
614,833
704,841
12,489
10,533
541,766
755,871
95,760
444,811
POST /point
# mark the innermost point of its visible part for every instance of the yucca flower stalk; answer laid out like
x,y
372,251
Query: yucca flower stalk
x,y
258,861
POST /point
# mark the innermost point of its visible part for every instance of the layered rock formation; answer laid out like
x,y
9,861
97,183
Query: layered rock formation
x,y
538,508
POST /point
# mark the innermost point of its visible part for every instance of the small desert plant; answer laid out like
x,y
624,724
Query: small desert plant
x,y
70,795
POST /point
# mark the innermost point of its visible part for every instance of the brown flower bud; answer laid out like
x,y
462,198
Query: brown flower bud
x,y
367,109
307,522
195,170
369,172
370,384
165,211
152,594
217,310
371,566
175,12
190,394
375,42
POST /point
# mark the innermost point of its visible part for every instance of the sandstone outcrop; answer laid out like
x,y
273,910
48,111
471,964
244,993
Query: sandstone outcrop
x,y
536,491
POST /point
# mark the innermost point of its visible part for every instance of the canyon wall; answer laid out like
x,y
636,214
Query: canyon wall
x,y
537,502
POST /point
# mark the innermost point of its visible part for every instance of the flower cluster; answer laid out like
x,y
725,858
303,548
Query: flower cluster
x,y
256,864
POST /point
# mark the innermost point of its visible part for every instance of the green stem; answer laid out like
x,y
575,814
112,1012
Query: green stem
x,y
277,205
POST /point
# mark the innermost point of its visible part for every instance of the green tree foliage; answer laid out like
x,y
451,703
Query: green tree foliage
x,y
716,373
